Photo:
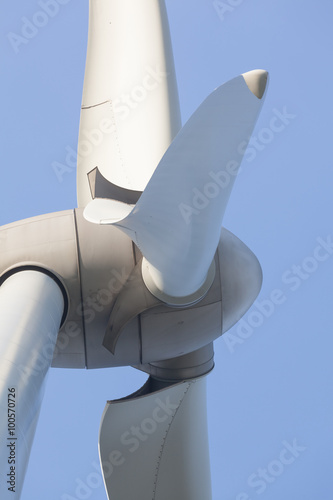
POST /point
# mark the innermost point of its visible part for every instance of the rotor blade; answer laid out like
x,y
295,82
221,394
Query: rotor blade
x,y
154,443
31,307
129,84
176,223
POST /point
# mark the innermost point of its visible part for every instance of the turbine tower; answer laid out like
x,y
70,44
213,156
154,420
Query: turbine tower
x,y
141,273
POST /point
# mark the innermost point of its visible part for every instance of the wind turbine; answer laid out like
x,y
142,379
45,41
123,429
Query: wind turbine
x,y
141,273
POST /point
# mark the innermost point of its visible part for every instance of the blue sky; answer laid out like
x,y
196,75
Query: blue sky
x,y
272,385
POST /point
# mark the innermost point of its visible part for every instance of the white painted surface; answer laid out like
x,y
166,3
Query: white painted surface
x,y
130,109
138,439
31,307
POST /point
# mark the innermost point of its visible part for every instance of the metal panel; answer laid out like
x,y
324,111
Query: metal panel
x,y
173,333
106,261
240,277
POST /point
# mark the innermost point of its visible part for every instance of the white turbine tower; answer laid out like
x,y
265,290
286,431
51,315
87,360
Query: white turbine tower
x,y
146,248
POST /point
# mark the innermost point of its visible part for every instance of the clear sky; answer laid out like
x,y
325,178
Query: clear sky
x,y
272,385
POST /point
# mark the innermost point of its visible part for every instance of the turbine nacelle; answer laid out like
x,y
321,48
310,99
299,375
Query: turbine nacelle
x,y
108,301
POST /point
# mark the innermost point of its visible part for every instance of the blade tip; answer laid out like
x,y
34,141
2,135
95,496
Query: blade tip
x,y
256,81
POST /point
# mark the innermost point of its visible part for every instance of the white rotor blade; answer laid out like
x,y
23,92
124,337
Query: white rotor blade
x,y
154,444
31,307
129,85
177,221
